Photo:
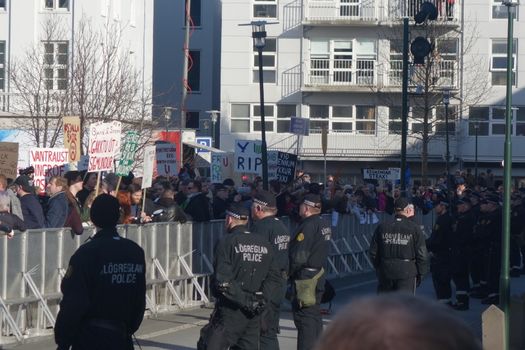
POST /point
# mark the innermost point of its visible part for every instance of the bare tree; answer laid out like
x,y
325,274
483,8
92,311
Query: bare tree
x,y
99,83
440,72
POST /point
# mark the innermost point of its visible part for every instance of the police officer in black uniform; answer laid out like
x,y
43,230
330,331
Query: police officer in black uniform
x,y
264,209
246,274
440,246
308,256
398,251
492,228
517,225
463,227
104,287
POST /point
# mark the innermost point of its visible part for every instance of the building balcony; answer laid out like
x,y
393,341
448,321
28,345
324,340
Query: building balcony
x,y
370,12
324,75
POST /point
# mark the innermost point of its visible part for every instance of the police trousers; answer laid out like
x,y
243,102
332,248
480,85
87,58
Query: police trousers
x,y
270,320
230,328
91,338
441,276
309,324
385,285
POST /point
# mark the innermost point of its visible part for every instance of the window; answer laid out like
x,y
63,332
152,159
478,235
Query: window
x,y
269,115
269,64
498,62
240,118
56,65
448,54
500,11
194,74
2,5
342,62
56,4
396,62
192,120
395,120
284,113
319,115
265,9
440,125
195,13
343,119
479,118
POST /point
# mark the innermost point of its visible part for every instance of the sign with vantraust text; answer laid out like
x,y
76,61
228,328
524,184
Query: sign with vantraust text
x,y
48,162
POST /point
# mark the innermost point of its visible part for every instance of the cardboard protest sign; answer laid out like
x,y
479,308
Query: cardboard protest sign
x,y
127,156
9,159
221,167
149,162
286,163
104,144
71,126
248,157
166,159
47,162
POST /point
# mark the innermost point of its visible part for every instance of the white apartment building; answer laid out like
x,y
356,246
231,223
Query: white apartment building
x,y
338,63
203,81
129,23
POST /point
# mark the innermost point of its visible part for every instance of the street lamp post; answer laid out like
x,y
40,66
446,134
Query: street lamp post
x,y
505,237
476,129
167,117
446,102
214,115
259,41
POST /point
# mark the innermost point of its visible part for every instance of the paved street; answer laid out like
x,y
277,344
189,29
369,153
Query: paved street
x,y
181,331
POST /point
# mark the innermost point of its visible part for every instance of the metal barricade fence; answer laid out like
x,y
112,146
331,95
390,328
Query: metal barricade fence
x,y
179,260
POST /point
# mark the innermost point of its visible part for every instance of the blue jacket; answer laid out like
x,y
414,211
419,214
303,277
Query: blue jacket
x,y
57,211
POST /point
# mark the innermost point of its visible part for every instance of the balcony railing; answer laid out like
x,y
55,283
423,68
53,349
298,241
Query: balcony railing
x,y
444,73
348,11
341,72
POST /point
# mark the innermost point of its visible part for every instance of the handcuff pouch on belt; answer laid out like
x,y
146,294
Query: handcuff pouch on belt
x,y
305,289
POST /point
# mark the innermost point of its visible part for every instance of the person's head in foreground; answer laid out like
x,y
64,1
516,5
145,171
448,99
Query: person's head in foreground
x,y
105,211
397,322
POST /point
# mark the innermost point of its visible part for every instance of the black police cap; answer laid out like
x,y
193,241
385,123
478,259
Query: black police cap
x,y
238,211
105,211
265,198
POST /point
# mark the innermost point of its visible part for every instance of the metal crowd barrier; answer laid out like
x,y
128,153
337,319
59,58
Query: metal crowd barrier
x,y
179,261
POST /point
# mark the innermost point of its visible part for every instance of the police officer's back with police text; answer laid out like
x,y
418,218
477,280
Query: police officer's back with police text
x,y
398,251
245,274
104,287
308,256
265,223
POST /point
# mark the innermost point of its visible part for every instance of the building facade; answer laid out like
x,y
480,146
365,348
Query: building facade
x,y
49,35
203,72
339,64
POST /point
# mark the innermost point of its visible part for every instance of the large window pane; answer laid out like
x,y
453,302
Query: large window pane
x,y
257,125
268,76
265,11
365,112
194,74
342,112
479,113
240,111
268,111
283,126
240,126
342,126
286,111
318,111
368,128
483,129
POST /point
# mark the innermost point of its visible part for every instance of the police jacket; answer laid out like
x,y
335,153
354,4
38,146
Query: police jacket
x,y
463,228
277,234
244,264
517,220
491,227
398,250
105,280
441,240
309,249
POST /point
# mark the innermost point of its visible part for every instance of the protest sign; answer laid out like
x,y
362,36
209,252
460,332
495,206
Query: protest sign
x,y
221,167
9,159
286,167
149,161
71,126
127,156
47,162
248,157
166,159
104,144
382,174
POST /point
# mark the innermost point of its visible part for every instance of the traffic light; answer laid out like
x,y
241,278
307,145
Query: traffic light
x,y
420,48
427,11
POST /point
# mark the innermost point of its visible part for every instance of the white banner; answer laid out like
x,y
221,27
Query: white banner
x,y
104,144
382,174
221,167
47,162
149,162
166,159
